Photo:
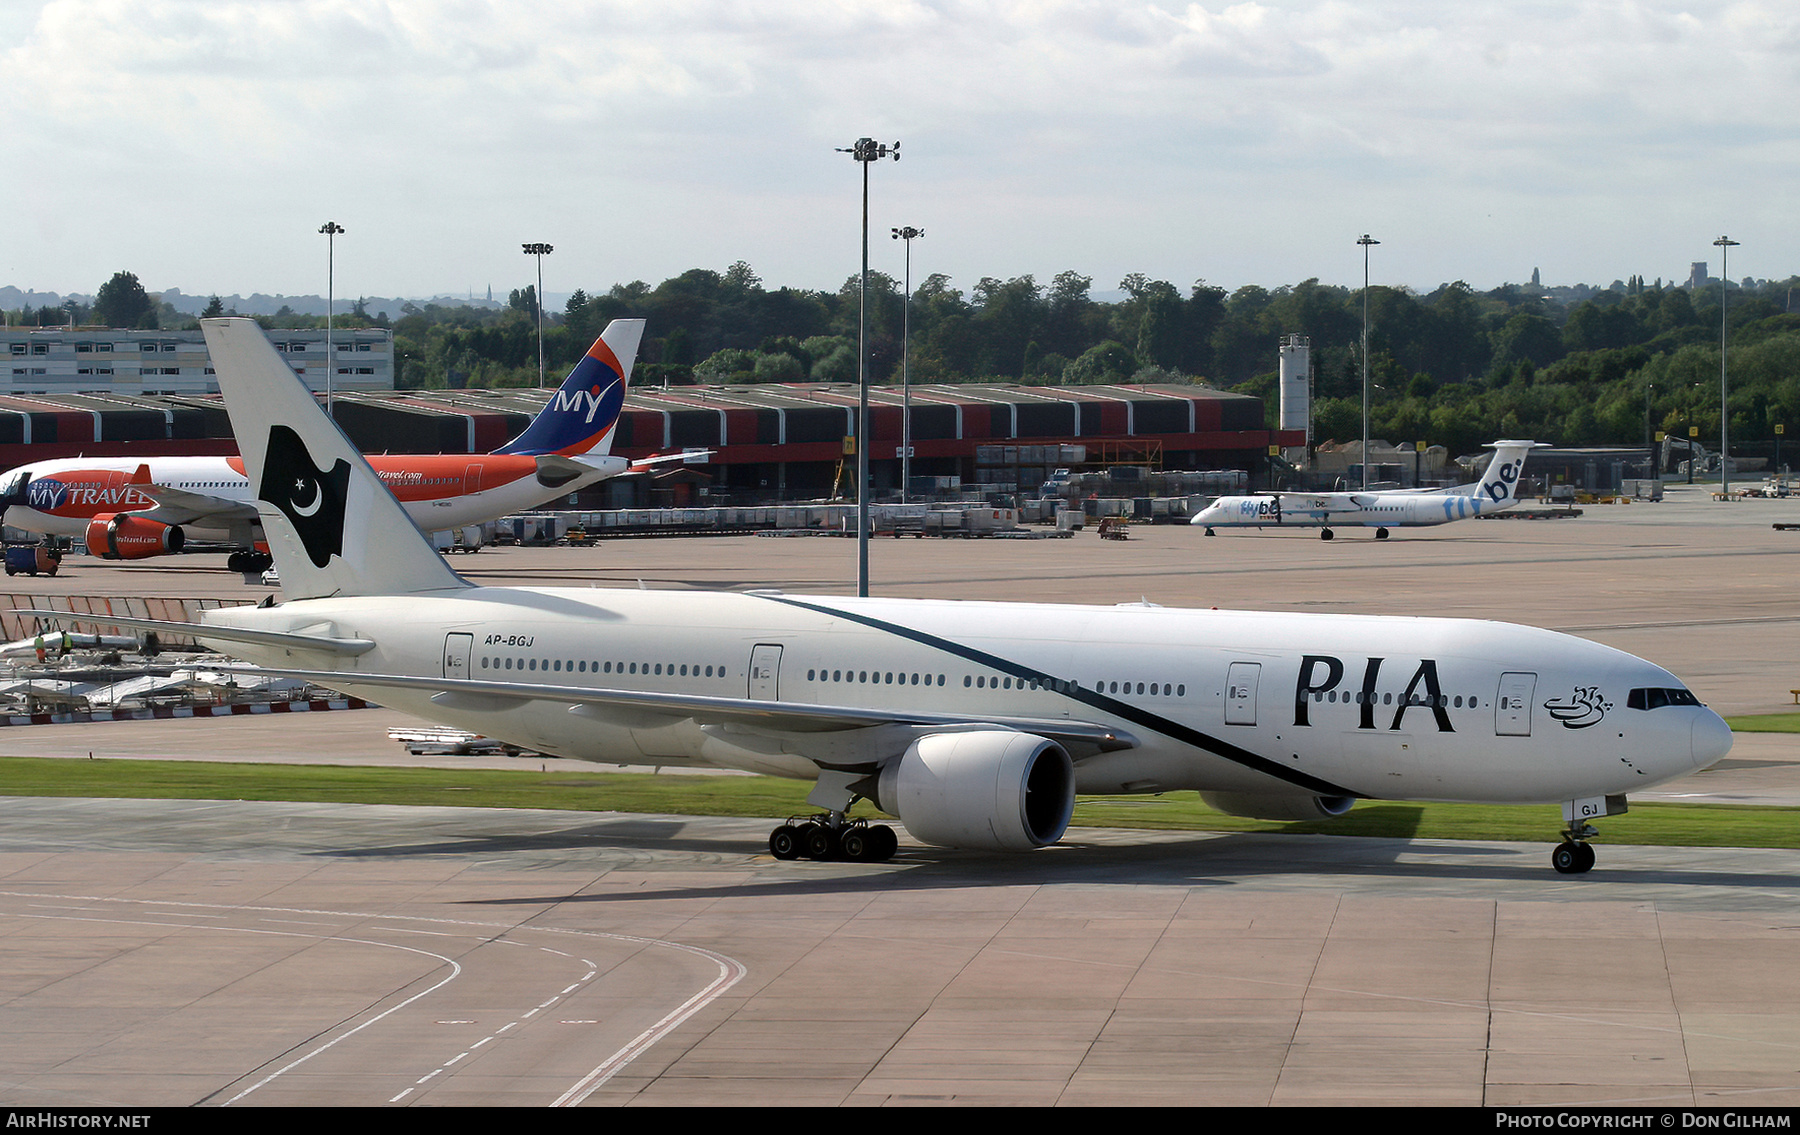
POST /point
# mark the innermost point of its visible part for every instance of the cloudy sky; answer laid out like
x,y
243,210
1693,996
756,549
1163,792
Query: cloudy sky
x,y
201,143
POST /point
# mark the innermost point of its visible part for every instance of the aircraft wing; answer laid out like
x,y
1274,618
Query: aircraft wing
x,y
665,458
1320,503
179,506
819,732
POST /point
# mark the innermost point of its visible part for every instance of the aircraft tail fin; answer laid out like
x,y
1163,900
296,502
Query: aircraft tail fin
x,y
581,415
1498,486
332,526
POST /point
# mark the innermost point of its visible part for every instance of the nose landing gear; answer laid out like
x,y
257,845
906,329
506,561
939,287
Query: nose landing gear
x,y
1574,855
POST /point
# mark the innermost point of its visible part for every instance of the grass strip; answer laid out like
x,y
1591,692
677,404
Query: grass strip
x,y
586,789
1765,723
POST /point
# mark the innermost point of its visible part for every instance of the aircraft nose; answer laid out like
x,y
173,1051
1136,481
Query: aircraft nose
x,y
1712,739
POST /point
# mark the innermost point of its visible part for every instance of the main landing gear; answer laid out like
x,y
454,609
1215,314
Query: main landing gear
x,y
830,836
1325,533
1381,533
249,563
1574,855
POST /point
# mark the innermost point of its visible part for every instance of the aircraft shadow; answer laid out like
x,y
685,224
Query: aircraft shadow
x,y
1279,860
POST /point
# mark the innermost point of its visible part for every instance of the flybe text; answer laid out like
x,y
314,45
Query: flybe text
x,y
1500,487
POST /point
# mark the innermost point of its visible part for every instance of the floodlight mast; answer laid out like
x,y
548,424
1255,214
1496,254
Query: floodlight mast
x,y
1365,240
1724,244
540,250
332,231
907,234
866,151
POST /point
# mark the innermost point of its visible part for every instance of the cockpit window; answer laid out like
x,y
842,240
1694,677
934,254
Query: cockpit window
x,y
1654,698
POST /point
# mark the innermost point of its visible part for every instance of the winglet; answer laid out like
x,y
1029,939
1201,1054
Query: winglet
x,y
580,416
331,524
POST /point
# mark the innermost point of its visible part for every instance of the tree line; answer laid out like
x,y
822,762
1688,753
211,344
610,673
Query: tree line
x,y
1457,367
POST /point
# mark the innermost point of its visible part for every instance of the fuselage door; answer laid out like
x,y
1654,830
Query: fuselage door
x,y
472,478
765,672
1512,706
1240,693
456,654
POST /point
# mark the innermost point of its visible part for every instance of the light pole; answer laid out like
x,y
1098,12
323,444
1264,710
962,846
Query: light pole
x,y
540,251
332,231
867,151
1365,240
1724,244
1693,432
906,234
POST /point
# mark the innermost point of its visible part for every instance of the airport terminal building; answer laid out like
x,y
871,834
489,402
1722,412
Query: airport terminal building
x,y
766,441
103,361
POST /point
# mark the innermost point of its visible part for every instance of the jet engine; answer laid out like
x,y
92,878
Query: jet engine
x,y
112,536
992,790
1274,806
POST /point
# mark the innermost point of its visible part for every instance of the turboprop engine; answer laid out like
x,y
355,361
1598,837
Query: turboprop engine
x,y
987,789
114,537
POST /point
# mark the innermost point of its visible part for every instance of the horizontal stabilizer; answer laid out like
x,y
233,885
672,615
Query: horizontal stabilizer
x,y
554,470
286,640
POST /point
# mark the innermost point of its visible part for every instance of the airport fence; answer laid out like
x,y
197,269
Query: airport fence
x,y
90,611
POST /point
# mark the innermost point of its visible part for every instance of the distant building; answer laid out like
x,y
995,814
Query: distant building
x,y
84,360
765,441
1697,276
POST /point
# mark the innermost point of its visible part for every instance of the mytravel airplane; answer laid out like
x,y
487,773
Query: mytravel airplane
x,y
128,509
1412,508
974,723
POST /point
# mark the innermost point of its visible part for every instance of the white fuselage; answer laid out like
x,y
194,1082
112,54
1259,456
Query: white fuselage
x,y
1390,708
438,492
1345,510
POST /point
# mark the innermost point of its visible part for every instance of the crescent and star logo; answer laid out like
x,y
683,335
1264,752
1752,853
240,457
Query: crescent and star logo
x,y
311,498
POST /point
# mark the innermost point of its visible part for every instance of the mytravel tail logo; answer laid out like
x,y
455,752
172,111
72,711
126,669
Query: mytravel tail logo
x,y
582,412
587,402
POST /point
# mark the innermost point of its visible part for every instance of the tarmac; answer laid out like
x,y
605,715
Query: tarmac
x,y
174,953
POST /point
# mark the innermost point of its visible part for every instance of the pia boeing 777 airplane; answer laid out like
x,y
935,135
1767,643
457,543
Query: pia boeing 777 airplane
x,y
1411,508
128,509
974,723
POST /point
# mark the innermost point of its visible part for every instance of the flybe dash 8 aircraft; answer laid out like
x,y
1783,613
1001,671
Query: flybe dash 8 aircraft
x,y
1409,508
974,723
132,508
